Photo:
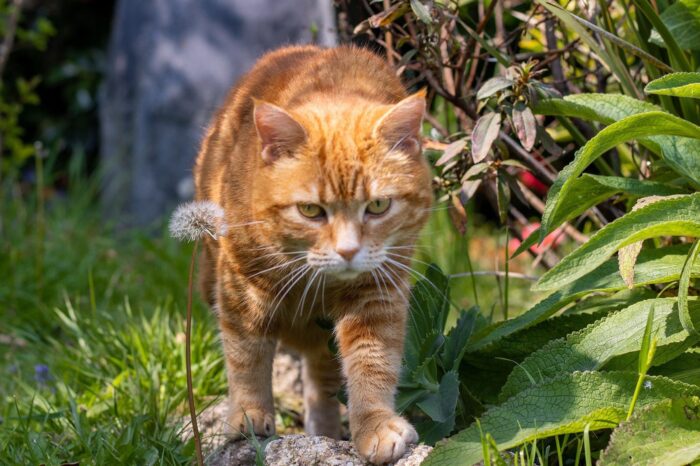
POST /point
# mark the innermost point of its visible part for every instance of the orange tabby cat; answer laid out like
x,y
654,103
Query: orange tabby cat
x,y
316,160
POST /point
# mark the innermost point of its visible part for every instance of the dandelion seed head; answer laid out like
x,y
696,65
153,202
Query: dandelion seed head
x,y
193,220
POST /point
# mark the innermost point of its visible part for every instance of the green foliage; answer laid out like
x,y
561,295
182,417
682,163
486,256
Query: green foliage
x,y
94,370
611,343
559,405
430,386
666,433
676,84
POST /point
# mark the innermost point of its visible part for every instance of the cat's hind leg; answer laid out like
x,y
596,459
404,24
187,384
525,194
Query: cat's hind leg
x,y
322,379
249,370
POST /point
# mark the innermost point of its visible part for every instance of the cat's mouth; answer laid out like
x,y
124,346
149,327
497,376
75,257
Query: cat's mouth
x,y
346,274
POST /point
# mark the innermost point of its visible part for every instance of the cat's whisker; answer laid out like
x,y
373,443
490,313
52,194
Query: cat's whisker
x,y
389,273
246,224
279,266
386,272
296,275
318,285
417,274
323,295
302,301
277,254
413,259
434,208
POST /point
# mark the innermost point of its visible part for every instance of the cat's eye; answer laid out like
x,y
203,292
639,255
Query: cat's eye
x,y
378,206
313,211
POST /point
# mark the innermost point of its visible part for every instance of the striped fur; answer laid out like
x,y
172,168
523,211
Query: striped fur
x,y
333,127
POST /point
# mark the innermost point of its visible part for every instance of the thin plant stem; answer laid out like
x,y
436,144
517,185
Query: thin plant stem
x,y
587,445
635,396
505,294
471,271
40,220
188,359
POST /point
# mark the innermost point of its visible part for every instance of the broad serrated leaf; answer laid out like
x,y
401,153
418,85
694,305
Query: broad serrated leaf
x,y
589,190
681,153
492,86
676,84
519,345
525,125
684,368
664,434
619,334
565,404
683,285
484,133
632,127
456,339
428,306
440,406
627,255
451,151
676,216
653,266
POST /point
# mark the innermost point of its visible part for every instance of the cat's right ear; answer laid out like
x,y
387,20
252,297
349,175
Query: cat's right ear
x,y
279,133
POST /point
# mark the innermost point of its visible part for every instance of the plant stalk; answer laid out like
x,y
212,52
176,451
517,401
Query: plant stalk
x,y
188,359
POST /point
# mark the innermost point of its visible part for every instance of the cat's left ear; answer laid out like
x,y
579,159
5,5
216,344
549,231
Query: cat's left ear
x,y
400,127
279,132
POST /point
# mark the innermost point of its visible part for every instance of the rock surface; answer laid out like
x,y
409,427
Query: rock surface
x,y
301,450
169,67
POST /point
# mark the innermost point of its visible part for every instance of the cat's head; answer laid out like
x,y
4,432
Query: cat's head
x,y
344,183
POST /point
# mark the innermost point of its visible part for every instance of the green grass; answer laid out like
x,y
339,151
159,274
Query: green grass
x,y
106,323
91,349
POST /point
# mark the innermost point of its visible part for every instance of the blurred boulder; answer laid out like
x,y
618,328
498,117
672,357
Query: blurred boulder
x,y
169,67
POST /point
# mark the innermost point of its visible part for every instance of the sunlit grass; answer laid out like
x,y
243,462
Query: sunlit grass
x,y
91,360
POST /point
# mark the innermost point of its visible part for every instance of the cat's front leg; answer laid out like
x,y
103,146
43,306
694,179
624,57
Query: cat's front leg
x,y
249,370
371,345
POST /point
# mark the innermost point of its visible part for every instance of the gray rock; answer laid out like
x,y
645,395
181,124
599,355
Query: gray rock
x,y
170,65
302,450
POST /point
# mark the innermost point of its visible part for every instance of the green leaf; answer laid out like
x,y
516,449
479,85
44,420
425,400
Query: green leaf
x,y
484,133
632,127
678,58
653,266
677,216
565,404
441,405
683,22
421,11
666,433
682,154
683,285
615,336
676,84
456,340
428,308
685,368
590,190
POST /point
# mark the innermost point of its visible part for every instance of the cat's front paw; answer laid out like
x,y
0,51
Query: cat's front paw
x,y
263,423
384,440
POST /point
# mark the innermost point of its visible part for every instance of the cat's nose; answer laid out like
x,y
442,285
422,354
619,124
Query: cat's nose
x,y
347,252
